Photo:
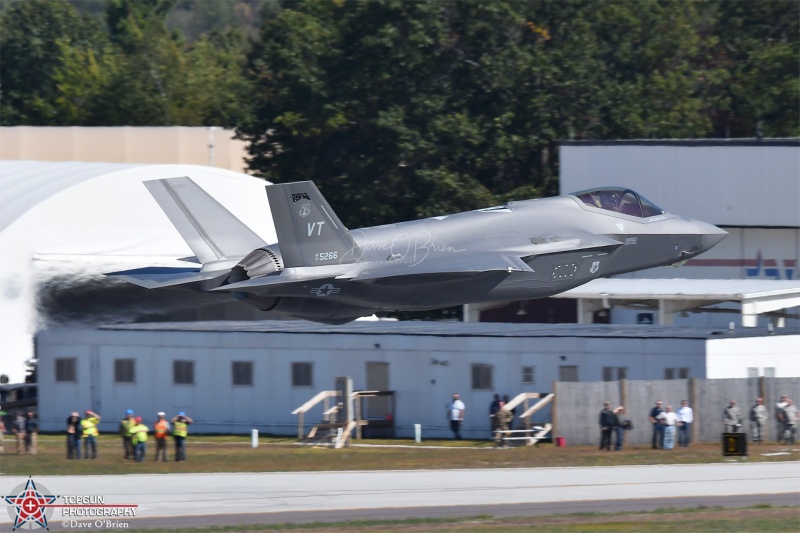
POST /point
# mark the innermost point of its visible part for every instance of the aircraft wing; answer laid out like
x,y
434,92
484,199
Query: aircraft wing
x,y
509,257
157,277
539,246
469,265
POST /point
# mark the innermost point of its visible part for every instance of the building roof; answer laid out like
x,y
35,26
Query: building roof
x,y
756,296
26,184
746,141
448,329
682,289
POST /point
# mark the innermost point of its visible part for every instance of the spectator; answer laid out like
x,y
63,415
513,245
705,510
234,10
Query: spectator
x,y
2,433
780,422
732,417
758,420
139,439
503,416
125,426
607,421
685,420
658,427
18,428
455,413
669,420
31,433
161,430
181,423
790,417
513,412
619,427
74,436
90,433
493,408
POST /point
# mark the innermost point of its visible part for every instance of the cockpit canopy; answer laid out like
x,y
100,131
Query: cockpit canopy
x,y
620,200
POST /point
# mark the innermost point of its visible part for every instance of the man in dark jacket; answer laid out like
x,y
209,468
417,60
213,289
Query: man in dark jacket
x,y
658,427
74,432
608,420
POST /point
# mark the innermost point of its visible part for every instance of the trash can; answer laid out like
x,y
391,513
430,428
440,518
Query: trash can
x,y
561,442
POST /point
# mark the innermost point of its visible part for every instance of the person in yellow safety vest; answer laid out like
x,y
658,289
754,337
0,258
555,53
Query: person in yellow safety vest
x,y
161,430
139,439
181,429
125,426
89,429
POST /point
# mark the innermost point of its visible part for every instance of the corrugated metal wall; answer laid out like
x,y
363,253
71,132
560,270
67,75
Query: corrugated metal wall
x,y
731,184
578,405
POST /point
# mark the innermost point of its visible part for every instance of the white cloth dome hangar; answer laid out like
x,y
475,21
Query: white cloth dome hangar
x,y
64,224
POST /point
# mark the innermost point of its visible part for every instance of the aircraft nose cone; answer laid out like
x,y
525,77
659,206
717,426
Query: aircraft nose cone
x,y
710,235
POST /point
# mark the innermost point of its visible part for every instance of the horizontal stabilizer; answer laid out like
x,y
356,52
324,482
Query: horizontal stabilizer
x,y
210,230
157,277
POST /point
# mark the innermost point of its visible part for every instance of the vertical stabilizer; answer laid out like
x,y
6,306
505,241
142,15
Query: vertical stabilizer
x,y
210,230
309,232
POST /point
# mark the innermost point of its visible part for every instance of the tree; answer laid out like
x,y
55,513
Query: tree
x,y
396,109
759,43
35,39
407,109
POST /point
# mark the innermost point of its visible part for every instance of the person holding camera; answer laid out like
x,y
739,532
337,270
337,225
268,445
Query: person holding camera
x,y
732,417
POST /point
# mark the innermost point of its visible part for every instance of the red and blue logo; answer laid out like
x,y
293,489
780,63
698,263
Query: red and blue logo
x,y
30,504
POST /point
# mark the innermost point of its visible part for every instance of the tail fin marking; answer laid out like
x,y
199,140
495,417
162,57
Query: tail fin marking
x,y
309,232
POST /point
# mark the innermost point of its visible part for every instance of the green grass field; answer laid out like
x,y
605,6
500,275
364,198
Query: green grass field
x,y
749,520
234,454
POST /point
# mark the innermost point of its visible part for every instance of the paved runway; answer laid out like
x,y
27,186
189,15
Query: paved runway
x,y
172,500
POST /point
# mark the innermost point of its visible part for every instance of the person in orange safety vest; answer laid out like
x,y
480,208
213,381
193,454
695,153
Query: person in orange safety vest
x,y
161,431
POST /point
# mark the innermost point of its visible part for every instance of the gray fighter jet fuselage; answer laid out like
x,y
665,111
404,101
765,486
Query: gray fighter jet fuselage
x,y
320,271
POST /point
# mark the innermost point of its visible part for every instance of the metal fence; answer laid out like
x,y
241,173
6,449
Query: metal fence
x,y
577,404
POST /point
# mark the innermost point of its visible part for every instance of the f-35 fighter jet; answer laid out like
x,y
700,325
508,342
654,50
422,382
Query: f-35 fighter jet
x,y
321,271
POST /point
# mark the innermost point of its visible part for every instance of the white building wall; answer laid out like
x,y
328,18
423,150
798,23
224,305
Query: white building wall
x,y
423,389
746,253
722,183
732,358
751,189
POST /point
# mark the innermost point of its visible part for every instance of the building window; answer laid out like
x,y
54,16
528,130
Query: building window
x,y
482,377
242,372
752,372
676,373
183,372
124,370
568,373
65,369
527,374
302,375
614,373
769,372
